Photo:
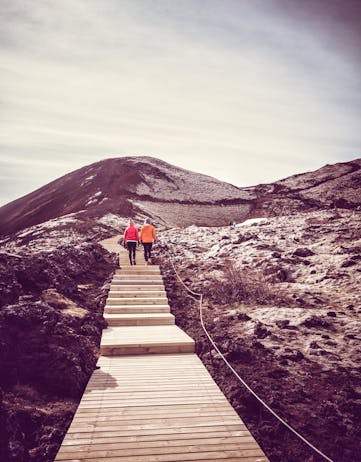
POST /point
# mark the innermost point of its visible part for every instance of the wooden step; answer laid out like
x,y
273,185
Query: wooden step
x,y
138,273
126,266
141,406
136,293
141,261
123,417
137,301
135,269
135,277
143,270
139,319
125,258
126,309
141,340
143,282
137,281
139,288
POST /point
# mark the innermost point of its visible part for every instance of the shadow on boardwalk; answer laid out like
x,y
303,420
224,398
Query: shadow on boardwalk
x,y
101,381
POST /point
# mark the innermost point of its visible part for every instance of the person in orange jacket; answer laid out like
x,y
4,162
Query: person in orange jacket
x,y
130,241
147,238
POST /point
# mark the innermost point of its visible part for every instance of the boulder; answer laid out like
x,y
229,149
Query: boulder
x,y
303,252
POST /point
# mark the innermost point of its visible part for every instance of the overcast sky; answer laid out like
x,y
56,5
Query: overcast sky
x,y
248,91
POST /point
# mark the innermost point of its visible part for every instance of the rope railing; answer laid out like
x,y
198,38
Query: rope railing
x,y
199,297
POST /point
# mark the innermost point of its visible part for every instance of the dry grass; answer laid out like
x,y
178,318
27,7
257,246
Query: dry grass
x,y
244,285
62,303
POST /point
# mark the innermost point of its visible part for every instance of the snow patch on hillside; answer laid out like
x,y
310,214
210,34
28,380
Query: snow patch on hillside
x,y
253,221
112,220
94,198
50,224
87,180
188,186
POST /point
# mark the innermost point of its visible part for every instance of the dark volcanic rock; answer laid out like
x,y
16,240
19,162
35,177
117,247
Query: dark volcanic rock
x,y
316,322
50,327
303,252
64,269
45,348
261,330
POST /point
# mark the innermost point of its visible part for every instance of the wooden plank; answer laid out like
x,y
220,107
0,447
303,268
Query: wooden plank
x,y
137,280
136,301
249,449
164,431
119,309
140,335
138,277
122,386
138,287
135,277
141,393
134,268
148,371
149,292
148,339
136,293
171,423
99,391
151,409
190,440
113,416
254,455
136,271
109,350
151,402
175,436
175,360
136,319
145,408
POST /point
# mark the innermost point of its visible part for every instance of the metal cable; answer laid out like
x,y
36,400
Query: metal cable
x,y
200,296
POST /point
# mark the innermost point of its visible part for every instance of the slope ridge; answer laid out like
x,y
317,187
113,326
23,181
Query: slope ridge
x,y
145,186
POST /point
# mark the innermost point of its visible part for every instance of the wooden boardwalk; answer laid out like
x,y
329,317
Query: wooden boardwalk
x,y
152,400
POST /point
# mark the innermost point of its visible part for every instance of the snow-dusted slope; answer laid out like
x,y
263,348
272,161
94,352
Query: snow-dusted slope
x,y
166,182
128,186
142,187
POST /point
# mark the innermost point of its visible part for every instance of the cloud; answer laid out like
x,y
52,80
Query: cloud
x,y
247,83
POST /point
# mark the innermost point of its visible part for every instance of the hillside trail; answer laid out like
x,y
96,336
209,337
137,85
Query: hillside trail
x,y
151,399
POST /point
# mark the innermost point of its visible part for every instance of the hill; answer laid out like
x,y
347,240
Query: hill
x,y
128,186
98,198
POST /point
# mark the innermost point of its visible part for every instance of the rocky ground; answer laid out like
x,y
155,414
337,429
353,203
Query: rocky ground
x,y
281,296
282,302
51,304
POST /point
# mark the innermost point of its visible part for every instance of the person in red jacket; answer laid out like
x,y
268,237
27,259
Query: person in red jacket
x,y
147,238
131,240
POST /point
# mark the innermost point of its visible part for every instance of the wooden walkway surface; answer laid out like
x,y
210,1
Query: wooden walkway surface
x,y
152,400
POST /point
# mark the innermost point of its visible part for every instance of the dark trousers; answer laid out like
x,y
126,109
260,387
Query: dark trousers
x,y
147,250
131,249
